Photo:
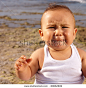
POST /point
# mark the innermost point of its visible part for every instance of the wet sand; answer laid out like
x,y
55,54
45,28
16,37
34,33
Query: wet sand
x,y
15,42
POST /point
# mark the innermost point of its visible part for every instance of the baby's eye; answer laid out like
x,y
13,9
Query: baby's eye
x,y
64,27
51,27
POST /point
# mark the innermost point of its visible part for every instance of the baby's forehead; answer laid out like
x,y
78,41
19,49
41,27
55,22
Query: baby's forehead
x,y
63,11
58,10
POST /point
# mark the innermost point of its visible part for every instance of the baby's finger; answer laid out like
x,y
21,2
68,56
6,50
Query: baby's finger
x,y
22,61
23,57
22,67
18,62
16,67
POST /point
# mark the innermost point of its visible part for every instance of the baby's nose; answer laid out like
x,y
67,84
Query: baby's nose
x,y
58,32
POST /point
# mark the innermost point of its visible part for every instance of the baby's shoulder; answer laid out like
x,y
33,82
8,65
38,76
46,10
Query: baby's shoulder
x,y
38,53
82,53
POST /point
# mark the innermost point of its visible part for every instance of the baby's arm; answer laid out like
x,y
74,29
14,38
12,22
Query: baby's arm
x,y
26,68
83,56
84,64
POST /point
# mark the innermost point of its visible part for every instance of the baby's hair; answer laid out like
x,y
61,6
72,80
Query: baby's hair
x,y
54,6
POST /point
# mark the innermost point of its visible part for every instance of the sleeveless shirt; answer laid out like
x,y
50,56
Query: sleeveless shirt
x,y
60,71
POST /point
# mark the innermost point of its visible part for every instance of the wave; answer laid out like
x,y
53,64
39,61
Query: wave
x,y
81,1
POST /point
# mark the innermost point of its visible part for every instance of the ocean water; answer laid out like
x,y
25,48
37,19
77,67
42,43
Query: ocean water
x,y
26,9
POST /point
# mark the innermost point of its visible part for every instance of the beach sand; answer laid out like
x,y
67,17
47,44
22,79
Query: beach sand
x,y
15,42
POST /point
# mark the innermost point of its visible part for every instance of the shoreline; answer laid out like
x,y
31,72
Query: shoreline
x,y
26,19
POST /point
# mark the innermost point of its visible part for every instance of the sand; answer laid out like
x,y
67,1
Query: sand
x,y
15,42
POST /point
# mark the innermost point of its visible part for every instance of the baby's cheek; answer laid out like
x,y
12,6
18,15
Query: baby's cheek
x,y
48,36
69,38
47,33
67,34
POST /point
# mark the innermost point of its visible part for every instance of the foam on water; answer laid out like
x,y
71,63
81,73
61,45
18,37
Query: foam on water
x,y
81,1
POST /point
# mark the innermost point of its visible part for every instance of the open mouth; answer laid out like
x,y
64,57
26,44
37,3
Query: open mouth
x,y
57,42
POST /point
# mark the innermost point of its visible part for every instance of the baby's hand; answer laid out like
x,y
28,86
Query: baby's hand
x,y
21,63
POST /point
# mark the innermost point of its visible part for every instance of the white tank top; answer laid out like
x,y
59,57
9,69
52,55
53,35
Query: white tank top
x,y
60,71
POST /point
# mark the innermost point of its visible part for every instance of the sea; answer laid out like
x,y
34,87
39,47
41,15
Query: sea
x,y
30,11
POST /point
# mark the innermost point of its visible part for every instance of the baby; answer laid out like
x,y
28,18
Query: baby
x,y
59,61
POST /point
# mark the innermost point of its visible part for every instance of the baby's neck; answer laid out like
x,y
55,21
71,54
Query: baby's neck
x,y
60,54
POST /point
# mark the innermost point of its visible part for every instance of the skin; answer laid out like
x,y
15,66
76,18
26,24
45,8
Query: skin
x,y
57,27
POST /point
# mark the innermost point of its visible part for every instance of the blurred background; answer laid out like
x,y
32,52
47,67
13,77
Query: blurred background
x,y
15,13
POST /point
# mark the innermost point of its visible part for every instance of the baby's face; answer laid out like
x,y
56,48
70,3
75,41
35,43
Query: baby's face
x,y
58,29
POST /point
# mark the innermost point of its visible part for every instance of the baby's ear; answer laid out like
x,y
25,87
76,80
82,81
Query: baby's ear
x,y
41,33
74,33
